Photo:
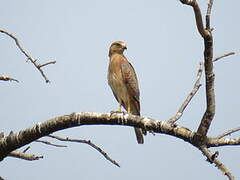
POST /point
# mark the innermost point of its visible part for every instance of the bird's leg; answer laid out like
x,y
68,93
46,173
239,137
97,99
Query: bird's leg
x,y
120,108
128,110
118,111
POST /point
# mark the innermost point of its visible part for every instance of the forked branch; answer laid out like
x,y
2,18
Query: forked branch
x,y
212,158
33,61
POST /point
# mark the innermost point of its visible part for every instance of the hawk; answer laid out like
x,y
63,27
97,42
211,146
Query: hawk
x,y
124,84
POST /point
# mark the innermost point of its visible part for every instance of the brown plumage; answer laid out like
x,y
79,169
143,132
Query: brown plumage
x,y
124,84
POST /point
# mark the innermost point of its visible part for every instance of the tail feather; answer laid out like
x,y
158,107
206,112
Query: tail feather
x,y
139,135
135,110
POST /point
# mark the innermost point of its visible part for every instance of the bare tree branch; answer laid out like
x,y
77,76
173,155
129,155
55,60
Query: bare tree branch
x,y
224,55
208,116
198,16
209,10
86,142
24,156
217,142
209,75
50,143
211,157
7,78
45,64
16,140
228,132
196,86
33,61
208,65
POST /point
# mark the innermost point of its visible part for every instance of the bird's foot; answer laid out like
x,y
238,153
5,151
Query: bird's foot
x,y
152,132
117,112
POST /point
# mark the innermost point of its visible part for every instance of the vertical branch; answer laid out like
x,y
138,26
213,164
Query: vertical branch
x,y
208,63
209,9
209,77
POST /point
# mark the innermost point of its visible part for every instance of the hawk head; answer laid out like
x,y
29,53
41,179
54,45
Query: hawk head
x,y
117,47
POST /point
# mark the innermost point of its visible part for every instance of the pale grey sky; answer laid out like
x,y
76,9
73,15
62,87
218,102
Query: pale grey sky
x,y
165,49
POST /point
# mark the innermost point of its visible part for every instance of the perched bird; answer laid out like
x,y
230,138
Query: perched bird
x,y
124,84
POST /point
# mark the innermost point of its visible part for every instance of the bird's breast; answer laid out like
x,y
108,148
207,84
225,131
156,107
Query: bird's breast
x,y
115,81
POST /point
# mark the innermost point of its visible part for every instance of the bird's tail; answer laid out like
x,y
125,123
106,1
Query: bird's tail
x,y
135,110
139,135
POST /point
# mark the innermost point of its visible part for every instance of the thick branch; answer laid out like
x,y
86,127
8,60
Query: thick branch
x,y
208,65
33,61
21,138
217,142
16,140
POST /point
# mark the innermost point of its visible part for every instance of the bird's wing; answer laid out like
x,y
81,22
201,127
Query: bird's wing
x,y
130,80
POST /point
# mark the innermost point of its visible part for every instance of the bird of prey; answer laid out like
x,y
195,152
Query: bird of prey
x,y
124,84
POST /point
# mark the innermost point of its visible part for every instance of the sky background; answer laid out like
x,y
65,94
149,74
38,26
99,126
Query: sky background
x,y
165,49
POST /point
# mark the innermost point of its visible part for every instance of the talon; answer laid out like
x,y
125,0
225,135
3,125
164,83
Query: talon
x,y
151,132
117,112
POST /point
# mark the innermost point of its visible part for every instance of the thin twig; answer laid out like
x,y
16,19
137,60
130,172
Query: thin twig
x,y
7,78
212,158
26,149
228,132
24,156
33,61
86,142
45,64
224,55
196,86
51,144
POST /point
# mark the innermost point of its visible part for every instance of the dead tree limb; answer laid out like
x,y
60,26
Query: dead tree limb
x,y
50,143
28,157
196,87
88,142
206,33
7,78
16,140
33,61
228,132
208,63
211,157
223,56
